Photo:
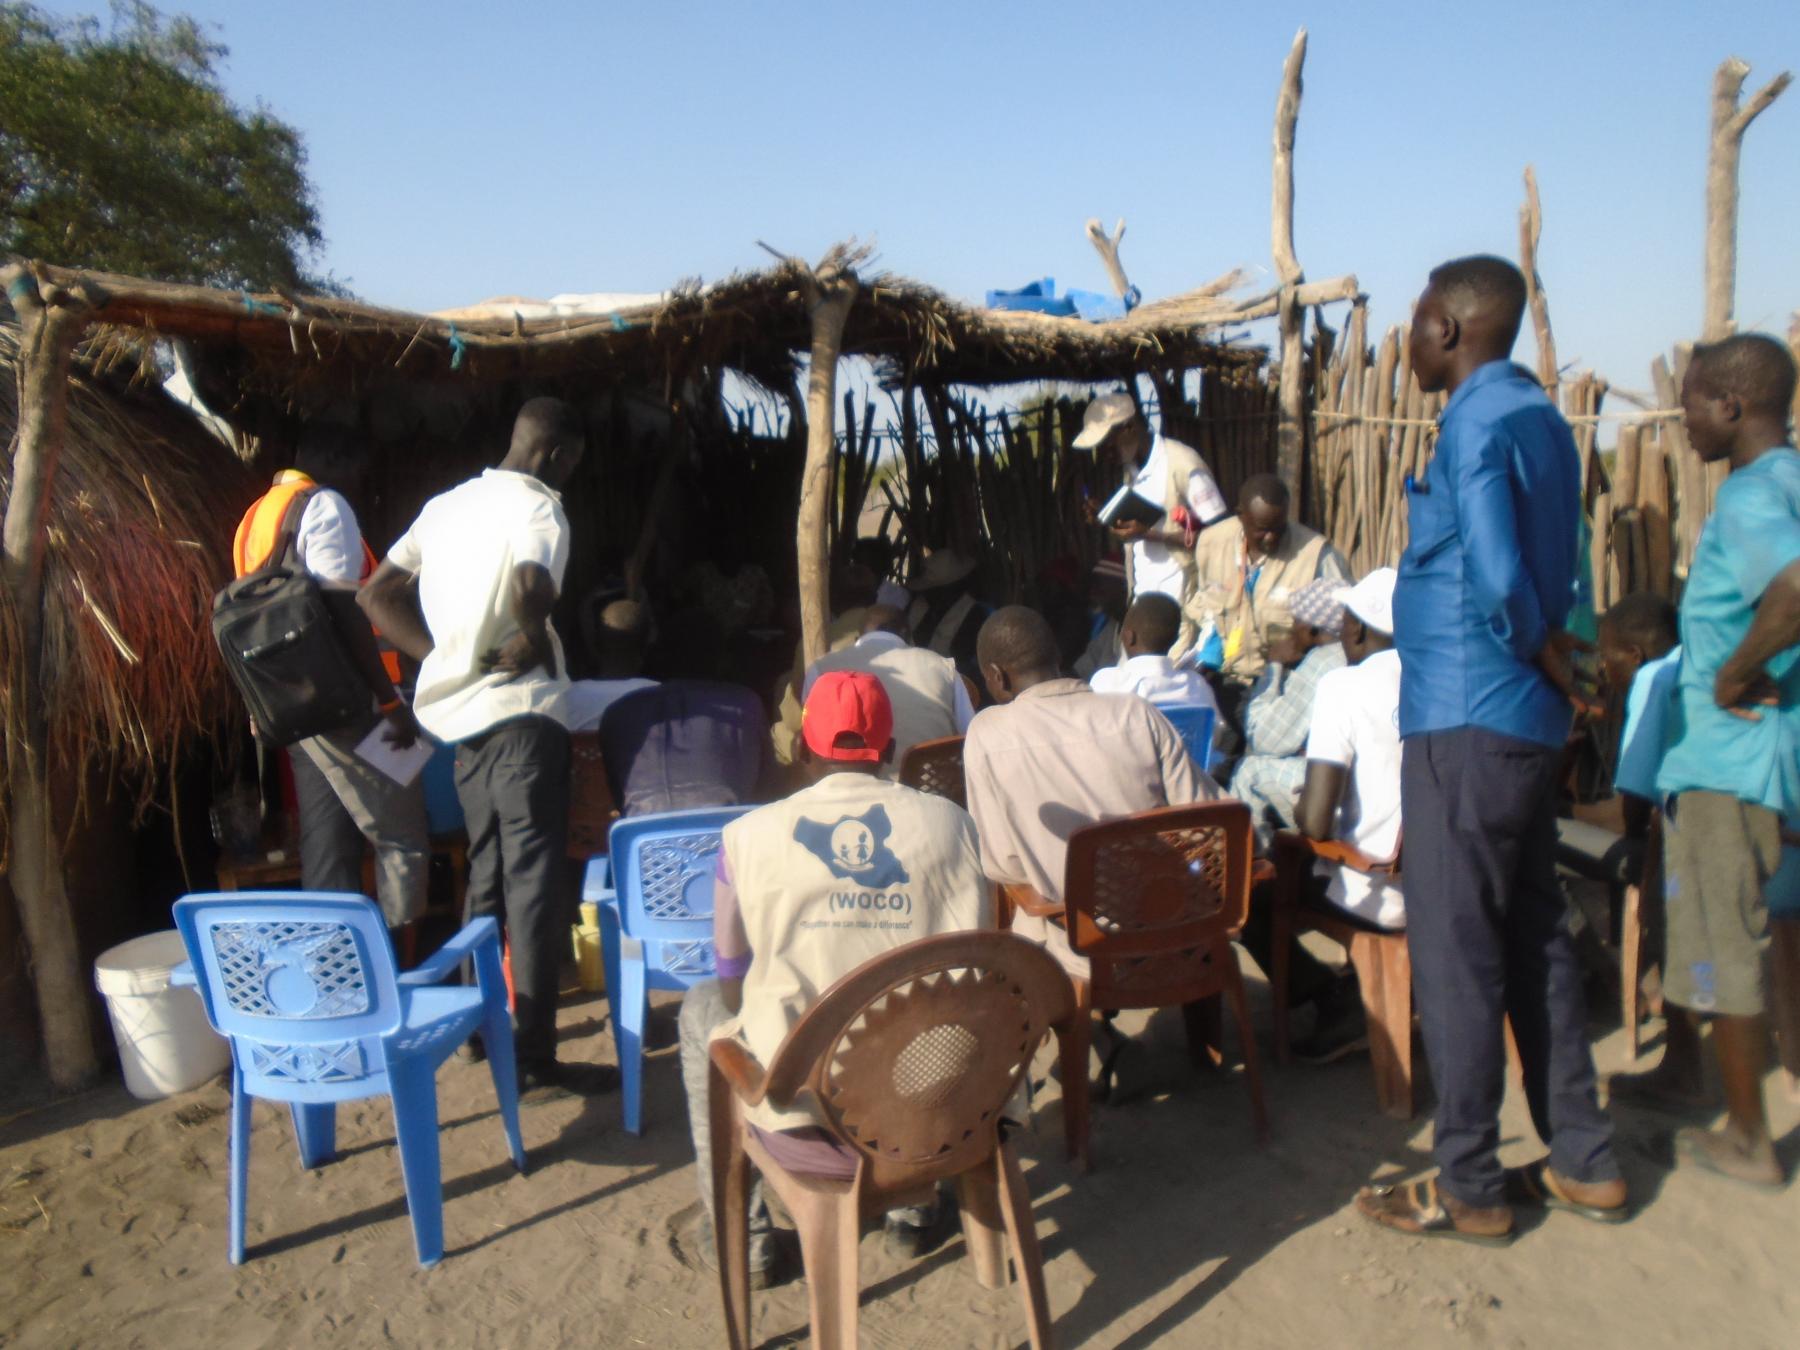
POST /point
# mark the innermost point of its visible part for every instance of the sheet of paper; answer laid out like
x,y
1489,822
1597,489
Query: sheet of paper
x,y
403,766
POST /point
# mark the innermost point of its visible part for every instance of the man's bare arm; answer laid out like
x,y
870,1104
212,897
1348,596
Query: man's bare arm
x,y
392,604
1744,678
532,595
1316,813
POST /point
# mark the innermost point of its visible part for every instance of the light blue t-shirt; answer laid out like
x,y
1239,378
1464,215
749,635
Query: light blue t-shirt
x,y
1753,534
1648,704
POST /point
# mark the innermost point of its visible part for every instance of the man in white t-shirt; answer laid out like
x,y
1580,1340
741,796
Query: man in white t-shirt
x,y
808,889
1150,628
489,558
1158,557
1352,790
929,697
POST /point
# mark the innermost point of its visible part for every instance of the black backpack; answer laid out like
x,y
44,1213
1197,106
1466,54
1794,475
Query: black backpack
x,y
282,648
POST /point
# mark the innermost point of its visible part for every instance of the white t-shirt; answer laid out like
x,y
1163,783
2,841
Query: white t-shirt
x,y
1156,679
1154,567
329,542
464,547
586,701
1356,723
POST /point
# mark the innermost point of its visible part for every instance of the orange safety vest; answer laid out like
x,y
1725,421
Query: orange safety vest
x,y
254,542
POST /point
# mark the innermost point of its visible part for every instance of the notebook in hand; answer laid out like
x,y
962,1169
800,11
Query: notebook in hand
x,y
1129,504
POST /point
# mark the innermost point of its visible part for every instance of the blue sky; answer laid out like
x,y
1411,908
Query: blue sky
x,y
467,150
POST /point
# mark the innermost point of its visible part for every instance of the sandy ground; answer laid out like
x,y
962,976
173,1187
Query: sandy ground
x,y
112,1231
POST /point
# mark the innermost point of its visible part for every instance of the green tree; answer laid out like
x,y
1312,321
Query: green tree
x,y
120,151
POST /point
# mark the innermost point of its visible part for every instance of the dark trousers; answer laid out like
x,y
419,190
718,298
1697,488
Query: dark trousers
x,y
1487,925
513,782
331,845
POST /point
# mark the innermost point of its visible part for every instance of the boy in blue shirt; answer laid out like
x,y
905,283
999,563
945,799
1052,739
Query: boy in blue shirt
x,y
1732,769
1640,653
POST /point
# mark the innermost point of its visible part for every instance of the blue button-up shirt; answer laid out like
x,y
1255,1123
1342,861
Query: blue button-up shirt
x,y
1491,567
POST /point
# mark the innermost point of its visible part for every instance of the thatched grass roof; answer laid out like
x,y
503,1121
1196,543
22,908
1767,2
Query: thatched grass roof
x,y
139,538
753,322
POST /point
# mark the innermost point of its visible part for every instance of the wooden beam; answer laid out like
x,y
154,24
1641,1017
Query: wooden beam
x,y
1107,246
1290,443
52,318
830,289
1729,123
1531,230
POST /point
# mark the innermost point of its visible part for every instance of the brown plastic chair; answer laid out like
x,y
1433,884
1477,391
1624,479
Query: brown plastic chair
x,y
1153,900
936,767
911,1059
592,810
1382,960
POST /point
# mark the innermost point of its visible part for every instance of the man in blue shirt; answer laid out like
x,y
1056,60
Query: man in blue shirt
x,y
1485,588
1733,763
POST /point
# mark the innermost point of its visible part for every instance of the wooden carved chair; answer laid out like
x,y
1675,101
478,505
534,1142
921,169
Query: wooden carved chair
x,y
1153,901
911,1059
936,767
1382,960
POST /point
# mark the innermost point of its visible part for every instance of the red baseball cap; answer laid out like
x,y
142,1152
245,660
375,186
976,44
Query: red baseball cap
x,y
848,703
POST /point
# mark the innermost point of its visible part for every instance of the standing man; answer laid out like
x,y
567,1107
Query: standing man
x,y
1158,557
1733,763
344,799
1484,589
489,558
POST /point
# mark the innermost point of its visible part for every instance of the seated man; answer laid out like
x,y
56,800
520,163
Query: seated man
x,y
1352,790
1054,755
945,615
929,698
1105,614
1249,566
1279,712
1150,630
787,924
673,746
852,592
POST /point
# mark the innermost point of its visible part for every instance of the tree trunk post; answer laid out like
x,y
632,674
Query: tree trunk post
x,y
1291,314
1531,230
829,290
1729,123
53,318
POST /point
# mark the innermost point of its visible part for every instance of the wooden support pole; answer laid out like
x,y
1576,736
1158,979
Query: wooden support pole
x,y
829,290
1729,123
1290,444
52,319
1107,246
1531,230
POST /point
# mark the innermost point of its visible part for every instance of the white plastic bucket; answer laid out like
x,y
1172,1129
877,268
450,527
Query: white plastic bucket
x,y
165,1044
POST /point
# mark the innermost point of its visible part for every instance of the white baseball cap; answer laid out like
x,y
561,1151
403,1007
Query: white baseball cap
x,y
1372,599
1102,416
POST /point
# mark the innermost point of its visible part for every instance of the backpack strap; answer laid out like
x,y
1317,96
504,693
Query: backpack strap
x,y
288,536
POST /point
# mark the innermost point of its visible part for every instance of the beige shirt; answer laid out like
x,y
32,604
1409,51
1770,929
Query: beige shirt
x,y
927,695
1058,757
840,872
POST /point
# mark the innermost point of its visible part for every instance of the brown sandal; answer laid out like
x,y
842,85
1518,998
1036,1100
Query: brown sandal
x,y
1536,1186
1416,1208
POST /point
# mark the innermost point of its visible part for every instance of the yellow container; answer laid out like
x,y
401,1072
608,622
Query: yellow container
x,y
586,937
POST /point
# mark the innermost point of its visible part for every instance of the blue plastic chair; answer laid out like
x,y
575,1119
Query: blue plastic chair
x,y
305,986
1194,722
655,892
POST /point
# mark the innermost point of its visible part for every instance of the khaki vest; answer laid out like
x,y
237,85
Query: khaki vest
x,y
840,872
920,685
1243,621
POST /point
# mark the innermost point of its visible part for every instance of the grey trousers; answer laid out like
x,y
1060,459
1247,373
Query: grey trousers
x,y
344,800
513,782
702,1009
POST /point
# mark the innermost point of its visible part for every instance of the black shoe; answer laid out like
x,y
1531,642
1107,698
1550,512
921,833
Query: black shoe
x,y
1339,1031
906,1240
472,1051
765,1256
542,1080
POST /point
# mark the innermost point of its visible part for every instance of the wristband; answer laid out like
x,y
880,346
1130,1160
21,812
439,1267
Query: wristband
x,y
388,707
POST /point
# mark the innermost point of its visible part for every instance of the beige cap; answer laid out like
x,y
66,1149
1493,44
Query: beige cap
x,y
1102,416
